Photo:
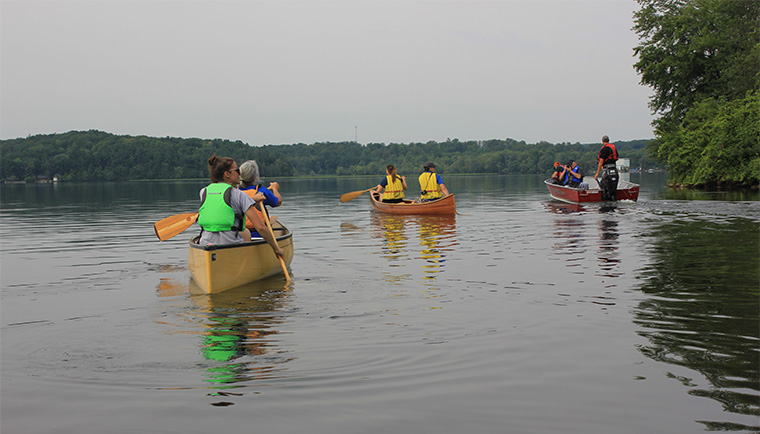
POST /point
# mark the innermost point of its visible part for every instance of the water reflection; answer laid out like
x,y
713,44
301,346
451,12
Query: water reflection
x,y
568,232
608,247
702,310
238,330
436,236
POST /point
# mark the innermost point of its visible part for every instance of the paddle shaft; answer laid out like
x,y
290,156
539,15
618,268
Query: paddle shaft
x,y
271,231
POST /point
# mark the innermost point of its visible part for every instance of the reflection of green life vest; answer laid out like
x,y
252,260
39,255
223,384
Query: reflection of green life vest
x,y
216,214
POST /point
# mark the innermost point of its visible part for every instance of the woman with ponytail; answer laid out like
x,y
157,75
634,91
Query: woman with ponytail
x,y
392,186
224,209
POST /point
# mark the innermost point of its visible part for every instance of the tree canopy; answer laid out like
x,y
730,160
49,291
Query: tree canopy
x,y
96,156
702,59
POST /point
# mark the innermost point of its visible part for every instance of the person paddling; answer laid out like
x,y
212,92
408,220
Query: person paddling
x,y
249,178
431,184
392,186
224,208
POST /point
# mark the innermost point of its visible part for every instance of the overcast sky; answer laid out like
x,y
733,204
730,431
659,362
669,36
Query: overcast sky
x,y
283,72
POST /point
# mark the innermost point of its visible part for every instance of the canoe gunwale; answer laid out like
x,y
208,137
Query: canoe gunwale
x,y
209,247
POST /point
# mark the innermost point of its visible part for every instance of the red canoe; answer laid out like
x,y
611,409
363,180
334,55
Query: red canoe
x,y
625,191
444,205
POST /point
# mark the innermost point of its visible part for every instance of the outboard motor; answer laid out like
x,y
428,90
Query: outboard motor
x,y
609,183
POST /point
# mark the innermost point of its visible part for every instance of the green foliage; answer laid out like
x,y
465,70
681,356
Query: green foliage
x,y
716,145
702,58
98,156
696,49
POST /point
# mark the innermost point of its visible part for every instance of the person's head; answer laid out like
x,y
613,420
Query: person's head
x,y
570,163
391,170
428,166
249,172
223,169
556,165
605,139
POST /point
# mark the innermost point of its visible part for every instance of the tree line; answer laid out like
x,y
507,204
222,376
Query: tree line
x,y
101,156
702,58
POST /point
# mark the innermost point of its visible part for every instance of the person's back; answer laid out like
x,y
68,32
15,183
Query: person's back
x,y
607,159
431,184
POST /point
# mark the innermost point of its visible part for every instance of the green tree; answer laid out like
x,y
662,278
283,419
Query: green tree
x,y
696,49
702,59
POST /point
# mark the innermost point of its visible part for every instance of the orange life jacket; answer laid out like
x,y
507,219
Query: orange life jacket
x,y
251,193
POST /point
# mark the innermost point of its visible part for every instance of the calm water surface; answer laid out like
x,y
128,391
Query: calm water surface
x,y
519,315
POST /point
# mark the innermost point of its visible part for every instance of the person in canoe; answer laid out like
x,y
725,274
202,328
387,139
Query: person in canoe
x,y
224,208
431,184
392,186
607,158
572,176
249,177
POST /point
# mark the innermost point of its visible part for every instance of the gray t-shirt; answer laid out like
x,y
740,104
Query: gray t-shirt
x,y
240,202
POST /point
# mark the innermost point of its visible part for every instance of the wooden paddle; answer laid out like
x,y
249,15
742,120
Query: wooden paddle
x,y
271,231
174,225
353,195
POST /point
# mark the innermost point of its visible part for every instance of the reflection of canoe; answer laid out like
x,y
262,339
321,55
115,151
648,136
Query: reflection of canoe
x,y
444,205
625,191
222,266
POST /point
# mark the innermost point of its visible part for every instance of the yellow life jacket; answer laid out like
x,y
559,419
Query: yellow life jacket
x,y
429,188
394,189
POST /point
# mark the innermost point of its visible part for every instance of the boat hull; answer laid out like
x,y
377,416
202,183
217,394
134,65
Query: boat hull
x,y
443,206
219,267
626,191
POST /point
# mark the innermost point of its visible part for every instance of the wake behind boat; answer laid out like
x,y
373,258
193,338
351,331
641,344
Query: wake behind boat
x,y
626,190
218,267
442,206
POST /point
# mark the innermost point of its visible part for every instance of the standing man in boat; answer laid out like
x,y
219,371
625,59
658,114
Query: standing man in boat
x,y
607,157
431,184
392,186
224,208
249,178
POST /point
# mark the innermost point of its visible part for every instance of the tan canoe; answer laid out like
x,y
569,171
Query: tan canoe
x,y
218,267
442,206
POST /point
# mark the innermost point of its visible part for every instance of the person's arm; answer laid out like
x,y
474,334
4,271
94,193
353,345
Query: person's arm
x,y
443,187
274,187
403,181
598,169
263,230
444,190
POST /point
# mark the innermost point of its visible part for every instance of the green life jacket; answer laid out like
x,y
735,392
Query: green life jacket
x,y
215,213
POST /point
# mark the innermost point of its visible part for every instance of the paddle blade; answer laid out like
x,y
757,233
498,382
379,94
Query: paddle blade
x,y
353,195
174,225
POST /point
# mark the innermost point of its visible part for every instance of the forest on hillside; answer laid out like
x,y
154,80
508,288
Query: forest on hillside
x,y
100,156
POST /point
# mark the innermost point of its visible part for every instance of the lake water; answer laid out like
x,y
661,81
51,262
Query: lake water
x,y
518,315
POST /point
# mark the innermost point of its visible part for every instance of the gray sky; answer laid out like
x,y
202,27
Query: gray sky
x,y
282,72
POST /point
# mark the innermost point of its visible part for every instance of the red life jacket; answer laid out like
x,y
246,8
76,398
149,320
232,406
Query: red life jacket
x,y
613,157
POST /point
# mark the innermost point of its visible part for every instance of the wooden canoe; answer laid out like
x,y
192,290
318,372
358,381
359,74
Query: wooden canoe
x,y
442,206
218,267
625,191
